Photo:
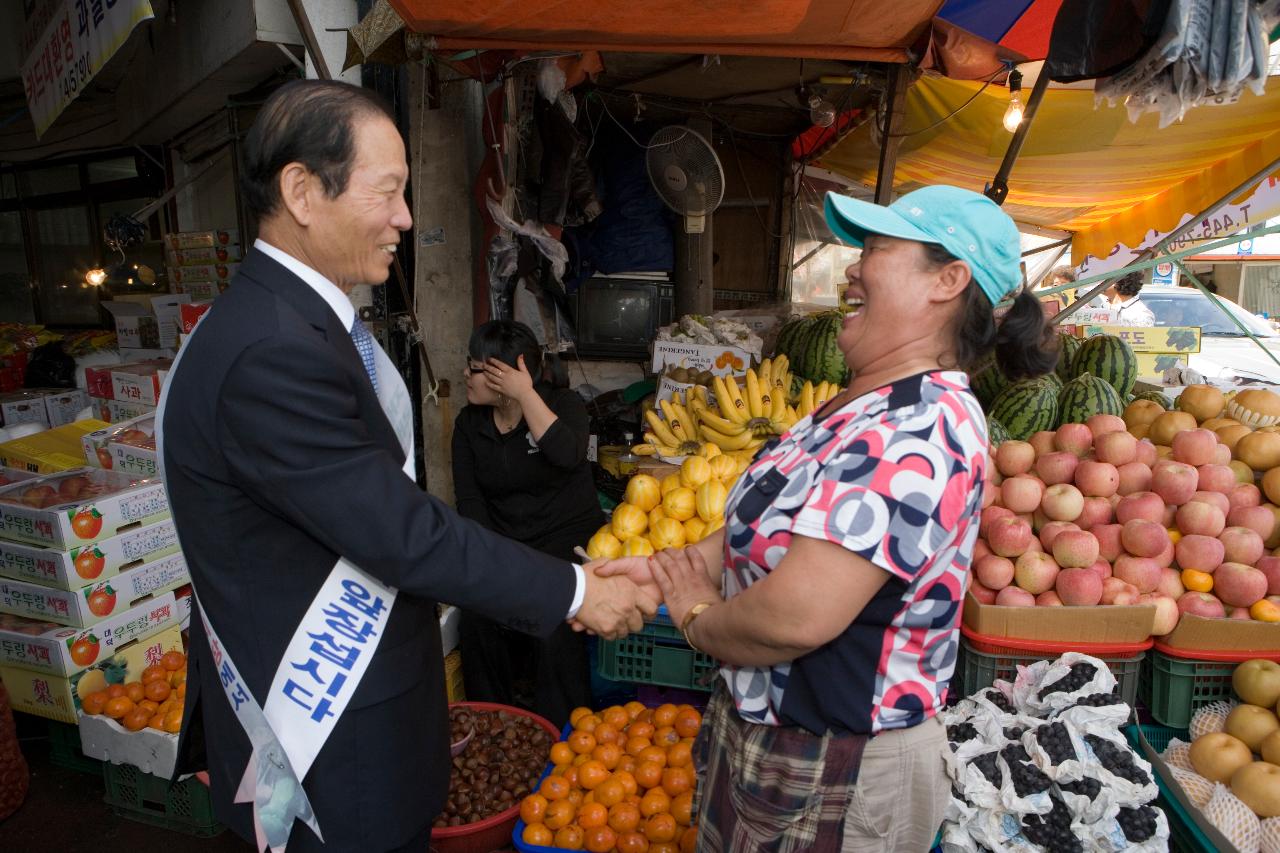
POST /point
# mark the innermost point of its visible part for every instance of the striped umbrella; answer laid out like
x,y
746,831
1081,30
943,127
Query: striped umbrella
x,y
1019,25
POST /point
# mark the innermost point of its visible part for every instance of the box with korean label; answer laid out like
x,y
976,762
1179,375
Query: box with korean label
x,y
206,255
182,240
23,407
190,314
78,507
88,564
136,325
63,405
59,697
49,451
139,382
89,605
129,446
43,646
183,277
116,411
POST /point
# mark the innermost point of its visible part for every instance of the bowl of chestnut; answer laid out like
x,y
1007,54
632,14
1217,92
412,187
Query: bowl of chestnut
x,y
504,756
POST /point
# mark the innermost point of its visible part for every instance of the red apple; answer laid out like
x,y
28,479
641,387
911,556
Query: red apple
x,y
1147,505
1201,604
1012,596
1015,457
1134,476
1174,482
1241,545
1237,585
1079,587
1073,438
1056,467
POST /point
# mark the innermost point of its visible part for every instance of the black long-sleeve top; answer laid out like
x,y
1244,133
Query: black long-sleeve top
x,y
539,493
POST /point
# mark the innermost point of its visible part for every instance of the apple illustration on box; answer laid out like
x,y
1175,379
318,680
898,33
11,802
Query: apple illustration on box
x,y
222,270
222,253
224,238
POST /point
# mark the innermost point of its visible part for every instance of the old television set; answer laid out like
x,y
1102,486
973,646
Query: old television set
x,y
617,316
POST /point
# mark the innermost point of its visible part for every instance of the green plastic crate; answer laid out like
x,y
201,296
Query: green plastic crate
x,y
1175,682
65,751
182,806
1184,835
979,668
657,655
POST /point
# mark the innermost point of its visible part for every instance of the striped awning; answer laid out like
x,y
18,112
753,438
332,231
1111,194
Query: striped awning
x,y
1084,169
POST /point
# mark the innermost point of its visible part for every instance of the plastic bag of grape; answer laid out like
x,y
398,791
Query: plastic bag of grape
x,y
1056,748
1048,686
1143,829
974,769
1026,789
1056,831
1120,770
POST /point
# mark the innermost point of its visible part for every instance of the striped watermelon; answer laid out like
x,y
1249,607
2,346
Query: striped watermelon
x,y
1069,345
810,345
1155,397
1086,396
1026,407
1108,358
996,433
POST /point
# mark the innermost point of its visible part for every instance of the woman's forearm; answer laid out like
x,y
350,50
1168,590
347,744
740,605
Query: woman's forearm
x,y
741,632
537,414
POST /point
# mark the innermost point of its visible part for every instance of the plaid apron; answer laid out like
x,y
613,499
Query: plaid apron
x,y
770,789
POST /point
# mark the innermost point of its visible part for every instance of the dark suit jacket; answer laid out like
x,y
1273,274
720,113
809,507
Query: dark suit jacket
x,y
278,460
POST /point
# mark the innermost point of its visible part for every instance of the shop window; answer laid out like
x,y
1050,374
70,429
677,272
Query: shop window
x,y
65,250
115,169
55,179
15,279
818,277
8,186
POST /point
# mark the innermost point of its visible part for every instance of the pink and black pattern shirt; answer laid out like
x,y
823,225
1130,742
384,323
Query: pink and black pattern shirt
x,y
895,476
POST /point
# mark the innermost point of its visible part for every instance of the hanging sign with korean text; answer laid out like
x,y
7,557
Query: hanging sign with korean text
x,y
79,38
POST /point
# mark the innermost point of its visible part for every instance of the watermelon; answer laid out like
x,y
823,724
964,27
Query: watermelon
x,y
1155,397
1026,407
996,433
810,345
1069,345
1086,396
1108,358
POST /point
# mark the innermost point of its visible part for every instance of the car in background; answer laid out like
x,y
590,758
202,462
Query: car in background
x,y
1226,352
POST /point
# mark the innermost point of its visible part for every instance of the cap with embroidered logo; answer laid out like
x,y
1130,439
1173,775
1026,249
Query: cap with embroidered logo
x,y
968,225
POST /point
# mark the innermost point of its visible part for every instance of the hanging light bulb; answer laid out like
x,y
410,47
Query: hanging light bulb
x,y
96,277
821,111
1014,112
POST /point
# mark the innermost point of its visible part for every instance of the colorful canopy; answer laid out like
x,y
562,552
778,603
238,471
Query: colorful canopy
x,y
1082,169
1019,25
829,29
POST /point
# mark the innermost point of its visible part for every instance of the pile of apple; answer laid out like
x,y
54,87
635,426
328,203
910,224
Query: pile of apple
x,y
1224,754
1089,514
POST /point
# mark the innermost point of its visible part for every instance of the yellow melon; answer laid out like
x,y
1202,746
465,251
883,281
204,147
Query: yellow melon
x,y
656,514
667,533
694,529
724,468
680,504
643,491
604,545
694,471
709,500
628,521
637,546
669,482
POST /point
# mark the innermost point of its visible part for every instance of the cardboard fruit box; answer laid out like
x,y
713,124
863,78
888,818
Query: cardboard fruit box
x,y
115,411
1223,635
84,607
139,382
51,451
88,564
720,359
180,240
128,447
78,507
1100,624
54,649
59,697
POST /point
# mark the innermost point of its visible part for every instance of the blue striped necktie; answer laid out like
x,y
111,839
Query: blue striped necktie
x,y
364,345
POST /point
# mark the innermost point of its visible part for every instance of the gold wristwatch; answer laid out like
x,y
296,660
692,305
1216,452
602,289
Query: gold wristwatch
x,y
694,613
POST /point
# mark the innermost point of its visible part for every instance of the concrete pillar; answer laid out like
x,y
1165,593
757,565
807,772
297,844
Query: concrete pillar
x,y
445,151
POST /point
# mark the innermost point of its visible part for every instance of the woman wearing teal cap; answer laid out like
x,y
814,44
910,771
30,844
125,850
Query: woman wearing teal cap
x,y
832,595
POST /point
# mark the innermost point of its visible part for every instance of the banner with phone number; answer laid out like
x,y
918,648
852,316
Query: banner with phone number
x,y
78,40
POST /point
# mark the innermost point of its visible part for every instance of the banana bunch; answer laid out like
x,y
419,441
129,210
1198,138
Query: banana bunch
x,y
676,432
812,398
744,421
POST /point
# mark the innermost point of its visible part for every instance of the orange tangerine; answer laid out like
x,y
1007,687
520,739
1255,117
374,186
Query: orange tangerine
x,y
560,754
537,834
649,775
607,733
653,755
687,723
173,721
610,792
641,728
636,745
115,690
665,715
682,808
569,837
157,689
680,755
154,672
533,808
119,706
660,827
554,788
577,714
608,754
666,736
559,813
689,840
624,817
677,780
628,781
654,802
588,723
1197,581
591,774
582,742
633,709
94,703
616,716
156,722
592,814
600,839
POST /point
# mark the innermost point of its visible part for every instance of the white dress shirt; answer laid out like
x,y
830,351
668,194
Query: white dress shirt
x,y
341,305
1133,313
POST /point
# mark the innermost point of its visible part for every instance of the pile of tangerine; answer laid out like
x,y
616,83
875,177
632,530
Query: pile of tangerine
x,y
623,781
154,701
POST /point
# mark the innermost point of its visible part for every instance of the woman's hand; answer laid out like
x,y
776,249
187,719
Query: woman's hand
x,y
682,576
514,382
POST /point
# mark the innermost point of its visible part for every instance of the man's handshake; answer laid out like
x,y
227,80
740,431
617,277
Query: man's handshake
x,y
615,606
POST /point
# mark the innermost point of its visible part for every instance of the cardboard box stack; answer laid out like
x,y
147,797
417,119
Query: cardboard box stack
x,y
128,446
146,323
119,392
202,263
91,586
47,407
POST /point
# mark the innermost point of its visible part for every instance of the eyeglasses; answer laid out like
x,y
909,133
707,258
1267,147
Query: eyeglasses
x,y
472,369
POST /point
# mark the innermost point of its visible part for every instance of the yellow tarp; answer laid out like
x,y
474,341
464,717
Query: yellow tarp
x,y
1085,170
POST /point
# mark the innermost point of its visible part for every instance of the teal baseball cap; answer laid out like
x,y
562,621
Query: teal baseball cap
x,y
968,225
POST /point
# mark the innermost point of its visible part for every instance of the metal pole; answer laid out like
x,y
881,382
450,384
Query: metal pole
x,y
998,189
890,141
1160,245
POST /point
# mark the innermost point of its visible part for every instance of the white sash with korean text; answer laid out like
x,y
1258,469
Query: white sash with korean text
x,y
322,666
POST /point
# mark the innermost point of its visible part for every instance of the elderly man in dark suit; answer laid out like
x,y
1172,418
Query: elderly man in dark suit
x,y
317,563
